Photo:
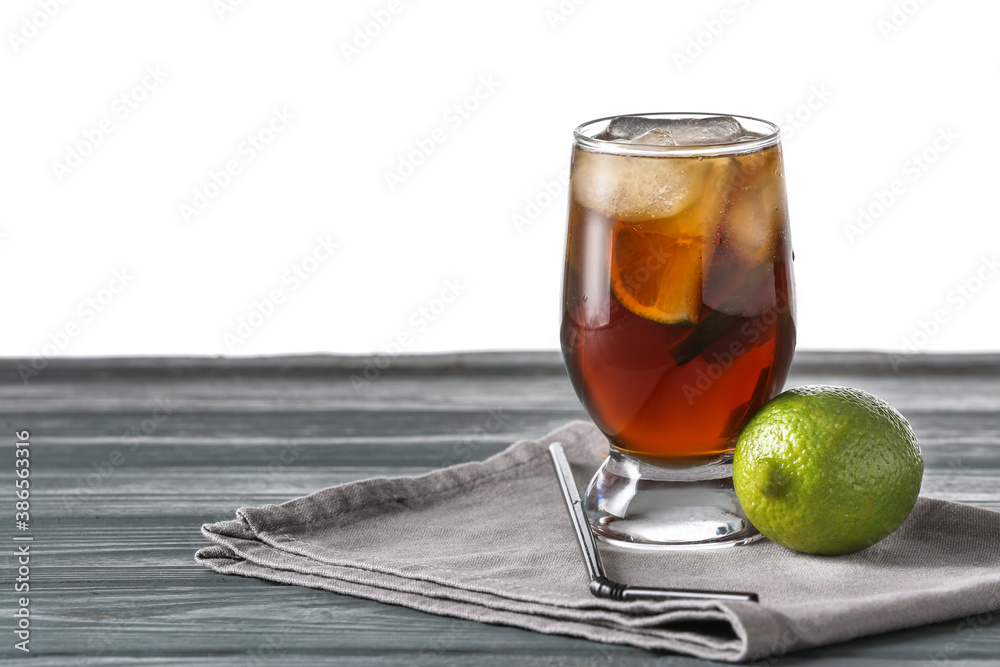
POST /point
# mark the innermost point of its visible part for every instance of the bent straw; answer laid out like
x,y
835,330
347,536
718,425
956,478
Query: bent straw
x,y
600,585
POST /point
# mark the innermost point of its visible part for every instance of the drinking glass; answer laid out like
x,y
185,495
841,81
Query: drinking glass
x,y
678,319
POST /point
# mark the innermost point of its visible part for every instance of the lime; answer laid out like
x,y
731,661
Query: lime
x,y
827,470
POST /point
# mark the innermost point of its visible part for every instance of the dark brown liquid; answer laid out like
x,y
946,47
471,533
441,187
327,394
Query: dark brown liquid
x,y
670,390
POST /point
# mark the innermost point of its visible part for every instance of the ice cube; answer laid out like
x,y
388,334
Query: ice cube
x,y
709,131
741,278
633,188
705,131
627,128
655,137
642,189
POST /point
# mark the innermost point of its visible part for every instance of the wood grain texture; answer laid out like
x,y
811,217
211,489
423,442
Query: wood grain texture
x,y
113,576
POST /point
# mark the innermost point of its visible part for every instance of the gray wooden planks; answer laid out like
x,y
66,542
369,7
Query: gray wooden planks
x,y
114,581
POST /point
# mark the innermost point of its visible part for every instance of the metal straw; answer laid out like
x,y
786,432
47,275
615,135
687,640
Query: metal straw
x,y
600,585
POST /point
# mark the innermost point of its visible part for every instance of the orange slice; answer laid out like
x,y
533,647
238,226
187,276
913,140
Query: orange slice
x,y
657,266
658,276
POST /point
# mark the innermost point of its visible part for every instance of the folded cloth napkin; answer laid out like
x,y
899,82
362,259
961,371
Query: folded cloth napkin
x,y
491,541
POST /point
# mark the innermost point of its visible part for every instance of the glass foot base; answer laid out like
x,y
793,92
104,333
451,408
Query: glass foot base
x,y
638,505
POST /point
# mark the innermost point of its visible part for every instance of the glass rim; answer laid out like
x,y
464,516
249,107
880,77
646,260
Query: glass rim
x,y
588,142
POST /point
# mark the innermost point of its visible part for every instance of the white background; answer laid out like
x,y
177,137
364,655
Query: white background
x,y
883,80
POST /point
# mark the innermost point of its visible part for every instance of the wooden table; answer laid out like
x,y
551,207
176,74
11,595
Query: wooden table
x,y
130,457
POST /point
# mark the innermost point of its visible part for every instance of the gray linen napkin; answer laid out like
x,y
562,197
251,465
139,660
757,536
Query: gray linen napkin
x,y
491,541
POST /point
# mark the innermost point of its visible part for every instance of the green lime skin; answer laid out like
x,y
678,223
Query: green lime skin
x,y
827,470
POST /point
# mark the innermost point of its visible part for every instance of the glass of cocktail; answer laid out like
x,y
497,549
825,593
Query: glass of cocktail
x,y
678,316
